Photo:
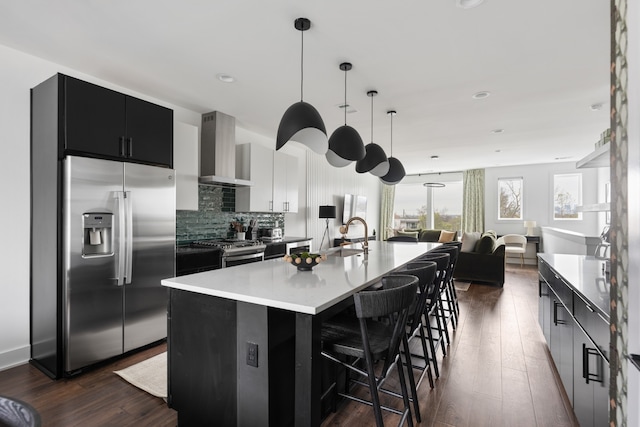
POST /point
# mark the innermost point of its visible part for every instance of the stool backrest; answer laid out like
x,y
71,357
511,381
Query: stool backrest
x,y
393,301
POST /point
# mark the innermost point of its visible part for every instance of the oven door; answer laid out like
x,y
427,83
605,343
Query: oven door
x,y
231,260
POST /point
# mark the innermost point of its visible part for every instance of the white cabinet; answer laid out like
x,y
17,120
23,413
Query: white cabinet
x,y
274,176
185,162
285,182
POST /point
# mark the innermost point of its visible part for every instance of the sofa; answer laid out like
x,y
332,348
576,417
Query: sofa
x,y
481,259
429,235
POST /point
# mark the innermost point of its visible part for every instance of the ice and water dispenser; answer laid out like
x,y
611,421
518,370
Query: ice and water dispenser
x,y
97,236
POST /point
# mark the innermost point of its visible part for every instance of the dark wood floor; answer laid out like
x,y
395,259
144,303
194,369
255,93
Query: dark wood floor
x,y
497,373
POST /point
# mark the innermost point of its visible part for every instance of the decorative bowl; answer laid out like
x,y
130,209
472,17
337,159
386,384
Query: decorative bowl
x,y
304,261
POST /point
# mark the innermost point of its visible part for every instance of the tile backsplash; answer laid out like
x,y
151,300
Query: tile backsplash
x,y
216,210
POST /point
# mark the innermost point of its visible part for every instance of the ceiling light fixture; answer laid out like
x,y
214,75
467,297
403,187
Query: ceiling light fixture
x,y
225,78
468,4
396,170
345,143
302,122
481,95
496,131
433,184
375,161
435,157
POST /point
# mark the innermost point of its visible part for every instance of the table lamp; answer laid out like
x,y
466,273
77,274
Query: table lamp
x,y
529,225
326,212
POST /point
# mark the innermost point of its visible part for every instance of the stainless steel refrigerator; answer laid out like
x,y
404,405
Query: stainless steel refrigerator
x,y
116,232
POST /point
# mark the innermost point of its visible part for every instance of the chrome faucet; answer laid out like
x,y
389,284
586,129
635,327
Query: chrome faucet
x,y
345,229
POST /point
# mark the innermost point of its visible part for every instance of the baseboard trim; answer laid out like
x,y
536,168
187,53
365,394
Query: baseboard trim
x,y
15,357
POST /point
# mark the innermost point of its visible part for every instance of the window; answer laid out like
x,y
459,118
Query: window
x,y
567,196
510,198
420,207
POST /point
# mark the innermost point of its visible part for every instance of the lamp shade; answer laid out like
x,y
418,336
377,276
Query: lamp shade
x,y
345,147
375,161
396,172
529,225
327,211
302,123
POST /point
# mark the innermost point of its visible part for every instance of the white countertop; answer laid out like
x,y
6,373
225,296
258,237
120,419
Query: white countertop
x,y
278,284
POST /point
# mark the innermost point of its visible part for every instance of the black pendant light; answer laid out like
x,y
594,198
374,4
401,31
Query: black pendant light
x,y
345,143
396,170
302,122
375,161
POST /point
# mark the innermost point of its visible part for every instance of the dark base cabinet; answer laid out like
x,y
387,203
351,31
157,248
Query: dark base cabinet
x,y
230,363
576,330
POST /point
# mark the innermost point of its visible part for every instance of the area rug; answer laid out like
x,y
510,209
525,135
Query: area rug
x,y
149,375
462,286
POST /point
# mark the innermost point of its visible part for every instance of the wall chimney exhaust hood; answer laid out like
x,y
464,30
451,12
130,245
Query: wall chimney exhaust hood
x,y
218,151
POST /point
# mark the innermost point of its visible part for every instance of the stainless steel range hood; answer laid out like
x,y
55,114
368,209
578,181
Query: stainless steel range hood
x,y
218,151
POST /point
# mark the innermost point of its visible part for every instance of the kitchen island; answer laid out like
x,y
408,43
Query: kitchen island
x,y
244,342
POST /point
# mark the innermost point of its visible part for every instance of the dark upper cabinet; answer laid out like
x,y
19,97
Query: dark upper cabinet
x,y
100,122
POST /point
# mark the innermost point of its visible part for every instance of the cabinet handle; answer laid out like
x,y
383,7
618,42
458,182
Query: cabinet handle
x,y
555,314
129,147
541,283
122,149
270,205
286,206
588,376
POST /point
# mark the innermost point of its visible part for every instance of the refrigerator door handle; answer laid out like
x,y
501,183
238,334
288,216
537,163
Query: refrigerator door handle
x,y
121,237
129,238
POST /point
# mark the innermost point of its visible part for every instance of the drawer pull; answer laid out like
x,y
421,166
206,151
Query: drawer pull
x,y
555,314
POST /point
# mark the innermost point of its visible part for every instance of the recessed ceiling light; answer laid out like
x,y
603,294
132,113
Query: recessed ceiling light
x,y
498,151
226,78
497,131
468,4
435,157
597,106
481,95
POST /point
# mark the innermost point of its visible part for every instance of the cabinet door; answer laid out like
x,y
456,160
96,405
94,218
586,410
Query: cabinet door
x,y
561,332
185,155
93,121
279,182
544,308
149,132
285,183
255,163
591,382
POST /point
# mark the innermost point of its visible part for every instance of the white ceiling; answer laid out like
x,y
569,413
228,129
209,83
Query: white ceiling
x,y
545,63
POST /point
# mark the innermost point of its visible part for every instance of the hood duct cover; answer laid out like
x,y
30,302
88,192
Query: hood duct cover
x,y
218,151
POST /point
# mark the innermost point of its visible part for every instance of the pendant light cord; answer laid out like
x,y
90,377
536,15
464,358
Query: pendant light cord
x,y
345,97
391,148
301,66
371,118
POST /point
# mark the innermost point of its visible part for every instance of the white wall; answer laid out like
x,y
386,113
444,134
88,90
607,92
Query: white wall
x,y
327,185
18,74
538,198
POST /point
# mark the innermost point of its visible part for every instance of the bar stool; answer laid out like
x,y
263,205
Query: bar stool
x,y
434,309
450,289
366,339
425,272
16,413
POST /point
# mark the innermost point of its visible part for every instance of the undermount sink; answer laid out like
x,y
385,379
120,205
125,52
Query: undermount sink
x,y
344,252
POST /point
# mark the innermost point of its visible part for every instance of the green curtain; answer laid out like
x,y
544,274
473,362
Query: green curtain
x,y
473,200
386,210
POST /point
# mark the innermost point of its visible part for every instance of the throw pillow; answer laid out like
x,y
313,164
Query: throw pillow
x,y
469,241
486,244
429,235
446,236
408,233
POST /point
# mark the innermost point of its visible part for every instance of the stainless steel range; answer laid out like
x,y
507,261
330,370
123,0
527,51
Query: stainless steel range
x,y
235,252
